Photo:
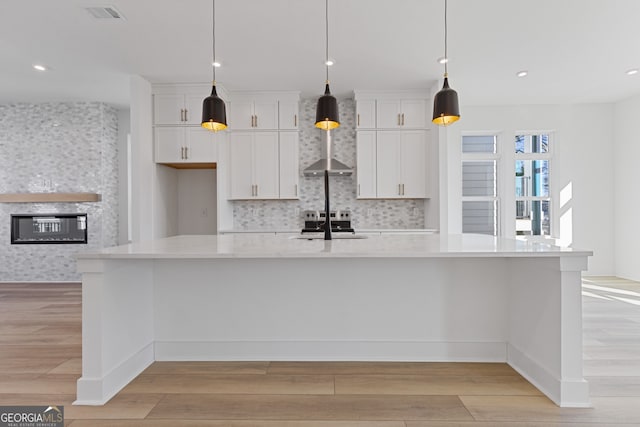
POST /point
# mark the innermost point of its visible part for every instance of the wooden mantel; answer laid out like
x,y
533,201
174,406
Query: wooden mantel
x,y
49,197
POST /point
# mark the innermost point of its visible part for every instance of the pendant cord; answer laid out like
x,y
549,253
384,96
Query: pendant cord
x,y
213,33
446,57
326,22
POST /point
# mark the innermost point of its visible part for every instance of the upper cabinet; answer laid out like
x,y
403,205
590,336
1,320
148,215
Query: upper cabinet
x,y
263,111
366,114
178,108
392,110
401,113
288,114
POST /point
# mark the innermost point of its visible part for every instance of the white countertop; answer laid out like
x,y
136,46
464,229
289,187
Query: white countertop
x,y
249,245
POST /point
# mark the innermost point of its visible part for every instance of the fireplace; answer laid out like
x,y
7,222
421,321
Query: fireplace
x,y
48,228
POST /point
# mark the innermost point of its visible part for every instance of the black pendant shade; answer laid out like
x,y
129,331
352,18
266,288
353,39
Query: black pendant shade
x,y
327,116
214,112
445,105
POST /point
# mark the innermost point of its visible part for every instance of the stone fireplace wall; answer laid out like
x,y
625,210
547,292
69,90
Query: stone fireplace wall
x,y
65,147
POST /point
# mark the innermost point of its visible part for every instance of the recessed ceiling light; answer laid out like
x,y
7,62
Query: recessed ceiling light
x,y
443,60
40,67
217,64
523,73
329,62
632,72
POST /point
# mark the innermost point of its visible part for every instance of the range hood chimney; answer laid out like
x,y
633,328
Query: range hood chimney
x,y
335,167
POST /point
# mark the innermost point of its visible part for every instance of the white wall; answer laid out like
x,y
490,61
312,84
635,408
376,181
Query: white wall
x,y
582,163
627,188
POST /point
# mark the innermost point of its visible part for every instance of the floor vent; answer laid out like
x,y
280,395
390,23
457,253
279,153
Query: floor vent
x,y
105,12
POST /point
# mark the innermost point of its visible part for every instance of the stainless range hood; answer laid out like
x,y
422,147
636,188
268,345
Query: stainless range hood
x,y
336,167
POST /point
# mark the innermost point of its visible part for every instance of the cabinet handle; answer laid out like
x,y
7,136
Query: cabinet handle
x,y
402,119
398,119
182,153
256,126
256,190
358,119
295,120
186,153
399,189
182,114
295,190
403,189
186,115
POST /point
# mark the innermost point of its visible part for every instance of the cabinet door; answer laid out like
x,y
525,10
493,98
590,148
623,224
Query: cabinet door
x,y
388,164
266,114
241,165
266,165
366,114
413,159
366,164
193,107
414,114
168,109
240,115
388,114
289,168
169,145
288,115
201,146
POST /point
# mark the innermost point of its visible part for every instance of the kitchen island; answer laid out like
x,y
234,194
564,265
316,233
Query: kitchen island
x,y
383,298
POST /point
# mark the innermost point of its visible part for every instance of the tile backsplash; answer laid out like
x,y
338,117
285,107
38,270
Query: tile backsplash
x,y
57,147
366,214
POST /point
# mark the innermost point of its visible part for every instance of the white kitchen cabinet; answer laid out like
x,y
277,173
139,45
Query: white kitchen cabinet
x,y
289,165
288,115
253,165
255,114
178,108
401,164
366,114
401,113
366,164
175,144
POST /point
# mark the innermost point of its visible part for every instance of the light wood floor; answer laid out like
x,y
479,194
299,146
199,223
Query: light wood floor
x,y
40,361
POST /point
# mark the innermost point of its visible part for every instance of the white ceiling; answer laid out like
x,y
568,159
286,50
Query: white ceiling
x,y
574,50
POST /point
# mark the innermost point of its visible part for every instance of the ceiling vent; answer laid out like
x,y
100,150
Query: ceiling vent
x,y
105,12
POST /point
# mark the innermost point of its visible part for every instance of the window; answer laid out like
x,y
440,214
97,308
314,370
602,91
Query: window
x,y
532,195
480,184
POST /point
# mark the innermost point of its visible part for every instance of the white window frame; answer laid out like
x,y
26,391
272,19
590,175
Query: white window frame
x,y
548,156
473,157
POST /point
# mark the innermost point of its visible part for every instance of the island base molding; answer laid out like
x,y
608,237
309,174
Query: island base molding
x,y
525,311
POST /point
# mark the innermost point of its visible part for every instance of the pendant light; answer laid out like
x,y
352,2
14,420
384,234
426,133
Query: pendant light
x,y
327,116
214,114
445,103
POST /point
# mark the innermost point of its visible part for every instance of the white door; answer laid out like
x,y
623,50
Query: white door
x,y
266,165
366,114
413,160
240,165
289,169
388,164
366,164
169,145
414,114
240,115
288,115
266,114
201,145
388,114
168,109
